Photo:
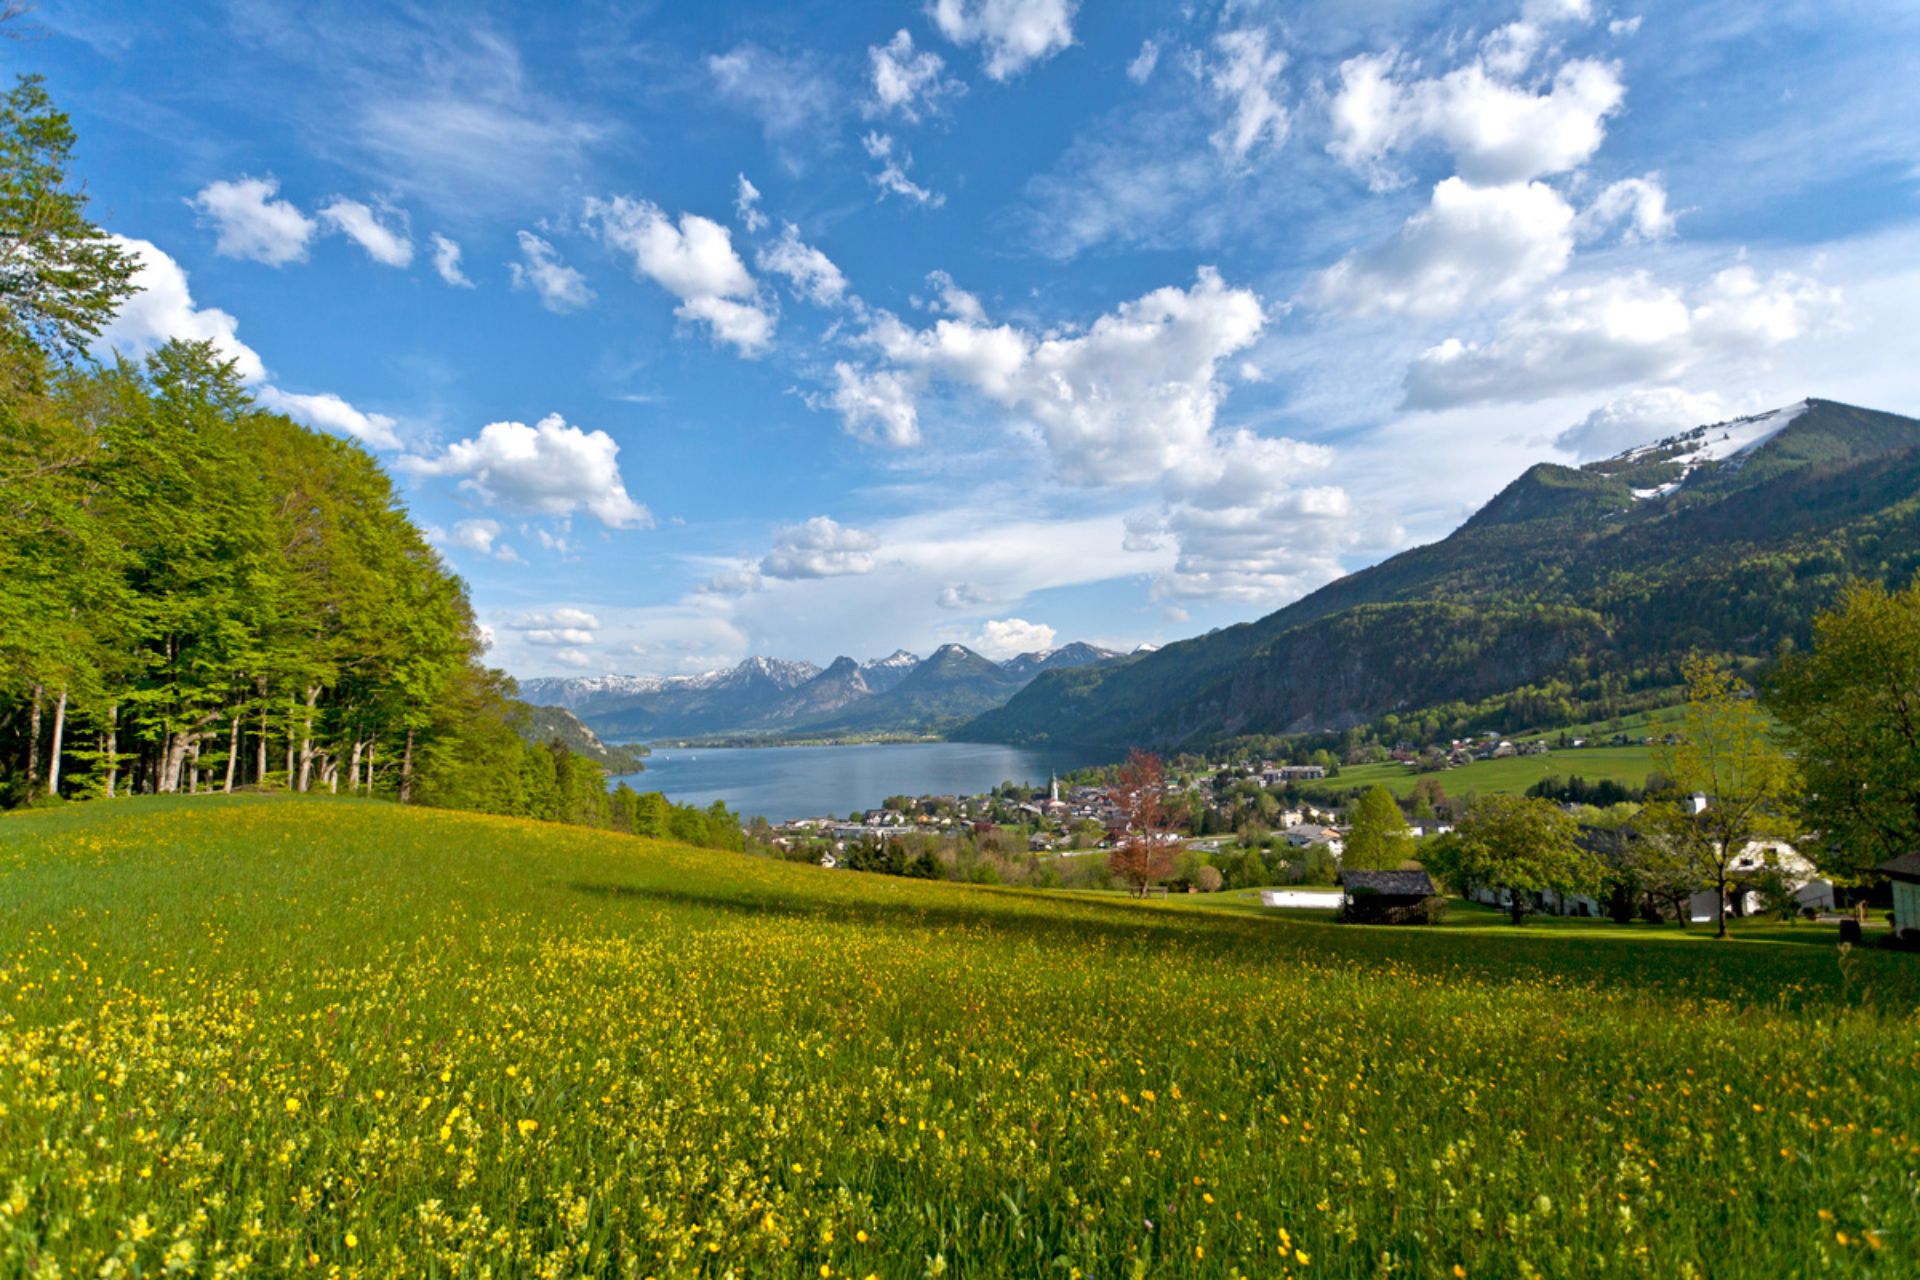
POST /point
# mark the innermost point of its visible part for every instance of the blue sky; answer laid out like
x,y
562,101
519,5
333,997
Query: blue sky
x,y
694,331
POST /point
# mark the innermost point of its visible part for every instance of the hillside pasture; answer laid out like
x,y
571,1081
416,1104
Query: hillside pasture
x,y
307,1036
1629,766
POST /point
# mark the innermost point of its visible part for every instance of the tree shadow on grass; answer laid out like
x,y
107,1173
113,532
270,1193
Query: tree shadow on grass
x,y
1748,977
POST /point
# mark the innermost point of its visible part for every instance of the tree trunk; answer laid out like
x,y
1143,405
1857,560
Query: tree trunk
x,y
260,765
406,772
331,772
193,765
306,739
33,744
113,748
1513,905
59,736
353,769
171,763
1720,903
233,751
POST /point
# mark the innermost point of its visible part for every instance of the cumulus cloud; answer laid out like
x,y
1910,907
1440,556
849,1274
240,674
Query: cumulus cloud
x,y
575,658
907,82
1012,34
252,224
162,309
892,178
1637,206
876,406
787,95
559,287
819,548
1140,70
566,616
1497,131
1131,398
962,595
359,224
1003,638
1619,330
1511,49
746,205
1641,417
811,272
695,261
482,538
550,468
446,262
330,413
1246,76
1469,245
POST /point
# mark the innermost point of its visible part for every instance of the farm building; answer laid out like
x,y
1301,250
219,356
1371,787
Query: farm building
x,y
1389,897
1904,871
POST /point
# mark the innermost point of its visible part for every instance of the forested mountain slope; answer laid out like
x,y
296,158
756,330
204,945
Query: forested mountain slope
x,y
1571,588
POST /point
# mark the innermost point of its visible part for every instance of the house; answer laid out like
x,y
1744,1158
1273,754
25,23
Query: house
x,y
1309,834
1386,897
1904,872
1762,868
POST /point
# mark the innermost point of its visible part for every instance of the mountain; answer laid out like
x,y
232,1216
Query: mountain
x,y
1077,654
767,697
1570,590
545,724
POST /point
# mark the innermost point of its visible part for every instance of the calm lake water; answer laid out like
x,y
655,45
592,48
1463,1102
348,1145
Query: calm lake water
x,y
780,783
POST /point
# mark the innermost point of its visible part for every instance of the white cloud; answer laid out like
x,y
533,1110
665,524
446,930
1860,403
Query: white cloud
x,y
892,178
574,658
1247,78
557,636
1003,638
1624,26
482,537
1619,330
1497,131
1469,245
811,272
746,205
162,309
560,287
819,548
876,406
787,96
1637,205
1013,34
962,595
565,616
446,261
1140,70
330,413
696,262
1131,398
1641,417
1511,49
252,224
357,222
548,469
907,82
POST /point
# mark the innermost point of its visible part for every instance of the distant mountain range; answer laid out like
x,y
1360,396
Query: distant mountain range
x,y
1573,590
769,697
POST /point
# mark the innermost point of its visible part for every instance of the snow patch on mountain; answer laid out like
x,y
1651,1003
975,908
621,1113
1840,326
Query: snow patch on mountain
x,y
1716,442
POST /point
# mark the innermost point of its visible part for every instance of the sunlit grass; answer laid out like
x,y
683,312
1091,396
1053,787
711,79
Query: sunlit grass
x,y
270,1035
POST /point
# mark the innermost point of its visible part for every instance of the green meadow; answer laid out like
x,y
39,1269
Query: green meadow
x,y
1512,775
258,1035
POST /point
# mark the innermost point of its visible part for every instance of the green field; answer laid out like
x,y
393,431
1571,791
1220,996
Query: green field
x,y
1627,765
266,1036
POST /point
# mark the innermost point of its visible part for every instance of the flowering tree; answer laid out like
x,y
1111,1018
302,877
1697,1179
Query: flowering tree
x,y
1142,857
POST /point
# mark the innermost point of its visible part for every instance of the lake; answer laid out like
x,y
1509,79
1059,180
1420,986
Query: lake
x,y
780,783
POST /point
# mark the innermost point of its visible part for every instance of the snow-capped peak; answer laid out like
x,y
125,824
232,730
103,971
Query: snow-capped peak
x,y
1715,442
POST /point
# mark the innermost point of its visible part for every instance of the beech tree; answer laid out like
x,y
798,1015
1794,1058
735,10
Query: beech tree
x,y
1726,756
1379,839
1851,714
1518,844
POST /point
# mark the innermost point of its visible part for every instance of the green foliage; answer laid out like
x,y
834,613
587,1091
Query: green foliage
x,y
1851,711
1379,839
61,277
1513,843
1727,756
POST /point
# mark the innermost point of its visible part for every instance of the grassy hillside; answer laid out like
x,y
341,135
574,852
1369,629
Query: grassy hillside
x,y
267,1035
1512,776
